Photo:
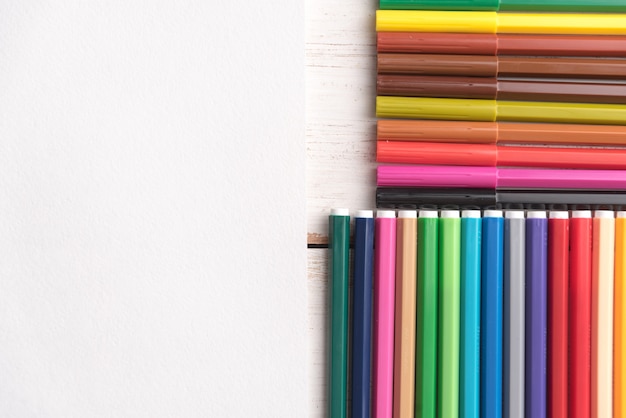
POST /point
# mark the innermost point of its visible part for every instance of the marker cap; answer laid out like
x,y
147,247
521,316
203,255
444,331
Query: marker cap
x,y
428,214
536,214
581,214
450,214
490,213
340,212
604,214
514,214
559,214
385,214
364,214
407,214
621,214
471,213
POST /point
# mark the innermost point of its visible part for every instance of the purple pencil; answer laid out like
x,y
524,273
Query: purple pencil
x,y
536,312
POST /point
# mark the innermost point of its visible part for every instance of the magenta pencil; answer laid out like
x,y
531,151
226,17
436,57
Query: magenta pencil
x,y
384,305
505,178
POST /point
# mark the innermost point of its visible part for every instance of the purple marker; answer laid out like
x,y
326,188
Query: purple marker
x,y
536,312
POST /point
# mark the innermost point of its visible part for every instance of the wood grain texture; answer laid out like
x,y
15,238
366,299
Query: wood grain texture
x,y
340,141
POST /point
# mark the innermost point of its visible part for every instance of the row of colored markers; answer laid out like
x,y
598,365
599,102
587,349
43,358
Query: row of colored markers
x,y
478,314
495,103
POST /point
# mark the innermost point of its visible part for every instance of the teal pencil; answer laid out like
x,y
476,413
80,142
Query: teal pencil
x,y
449,312
338,262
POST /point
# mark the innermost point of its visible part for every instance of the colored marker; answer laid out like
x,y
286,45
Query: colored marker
x,y
496,67
514,314
362,313
406,293
384,300
604,6
502,44
338,261
536,312
492,22
491,315
579,360
505,111
449,312
427,314
602,313
415,197
500,132
558,286
469,363
501,178
592,91
619,350
439,153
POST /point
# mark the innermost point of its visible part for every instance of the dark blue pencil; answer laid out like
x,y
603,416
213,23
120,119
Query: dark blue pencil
x,y
491,315
362,312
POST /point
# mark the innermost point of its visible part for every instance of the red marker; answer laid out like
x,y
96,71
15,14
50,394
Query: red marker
x,y
558,285
579,337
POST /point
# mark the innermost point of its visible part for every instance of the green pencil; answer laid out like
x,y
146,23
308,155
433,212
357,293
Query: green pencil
x,y
449,312
427,297
338,262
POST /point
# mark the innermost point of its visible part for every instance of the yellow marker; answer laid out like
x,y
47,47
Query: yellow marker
x,y
492,22
491,110
619,353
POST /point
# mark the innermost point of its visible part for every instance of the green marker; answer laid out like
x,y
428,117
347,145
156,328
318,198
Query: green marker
x,y
449,312
338,262
427,298
580,6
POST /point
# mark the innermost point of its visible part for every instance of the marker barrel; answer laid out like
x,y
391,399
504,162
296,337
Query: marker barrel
x,y
339,246
491,315
514,314
619,352
427,314
362,313
449,312
558,286
406,293
469,374
579,336
536,313
384,300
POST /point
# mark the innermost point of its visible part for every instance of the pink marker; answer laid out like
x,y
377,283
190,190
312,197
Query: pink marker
x,y
384,305
501,178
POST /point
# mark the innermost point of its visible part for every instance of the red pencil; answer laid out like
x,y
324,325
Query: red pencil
x,y
579,361
558,271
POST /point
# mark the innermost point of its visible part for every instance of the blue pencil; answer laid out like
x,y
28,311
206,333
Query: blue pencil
x,y
536,312
362,308
491,315
469,379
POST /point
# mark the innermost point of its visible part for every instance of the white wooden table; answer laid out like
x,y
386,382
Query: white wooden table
x,y
340,140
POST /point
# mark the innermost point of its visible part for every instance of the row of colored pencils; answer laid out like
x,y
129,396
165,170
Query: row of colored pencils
x,y
470,314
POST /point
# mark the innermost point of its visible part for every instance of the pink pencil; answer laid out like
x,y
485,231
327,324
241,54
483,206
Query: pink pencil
x,y
384,303
505,178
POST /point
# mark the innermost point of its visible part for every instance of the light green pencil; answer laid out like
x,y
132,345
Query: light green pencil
x,y
449,313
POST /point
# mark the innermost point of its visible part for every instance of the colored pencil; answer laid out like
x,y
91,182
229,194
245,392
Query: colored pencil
x,y
619,348
469,362
579,336
602,314
427,314
505,111
514,314
503,178
491,315
605,6
362,313
338,261
502,44
406,293
491,66
558,286
384,299
440,153
490,88
536,312
492,22
500,132
433,198
449,312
